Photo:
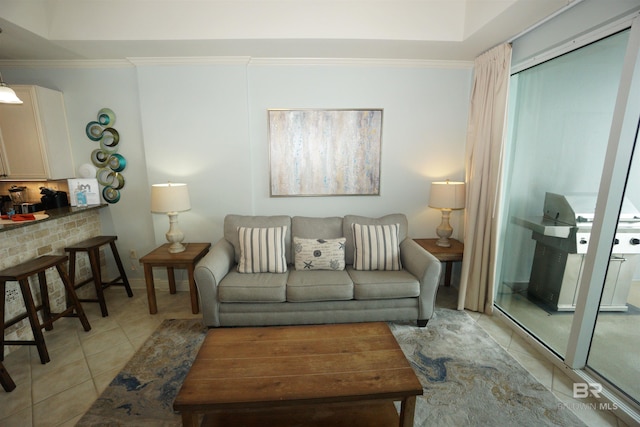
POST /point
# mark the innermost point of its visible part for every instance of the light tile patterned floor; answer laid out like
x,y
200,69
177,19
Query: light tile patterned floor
x,y
84,363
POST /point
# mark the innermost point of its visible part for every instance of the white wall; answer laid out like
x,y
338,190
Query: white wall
x,y
194,120
424,129
206,124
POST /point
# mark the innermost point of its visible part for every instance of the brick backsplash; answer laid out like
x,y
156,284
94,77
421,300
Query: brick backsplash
x,y
45,238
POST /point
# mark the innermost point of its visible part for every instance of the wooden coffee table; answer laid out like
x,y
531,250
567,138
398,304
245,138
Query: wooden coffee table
x,y
337,375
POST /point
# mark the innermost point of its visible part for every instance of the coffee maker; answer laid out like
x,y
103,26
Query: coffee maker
x,y
52,199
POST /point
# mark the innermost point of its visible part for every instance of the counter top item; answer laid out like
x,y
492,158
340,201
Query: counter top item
x,y
11,219
47,215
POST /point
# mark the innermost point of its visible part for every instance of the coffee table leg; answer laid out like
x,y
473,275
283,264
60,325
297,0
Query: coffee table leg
x,y
151,290
189,419
407,410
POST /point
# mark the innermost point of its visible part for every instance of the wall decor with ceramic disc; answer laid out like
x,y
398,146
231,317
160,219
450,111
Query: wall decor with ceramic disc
x,y
117,163
109,164
106,117
94,131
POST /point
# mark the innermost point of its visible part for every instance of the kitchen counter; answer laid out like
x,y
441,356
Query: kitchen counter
x,y
52,214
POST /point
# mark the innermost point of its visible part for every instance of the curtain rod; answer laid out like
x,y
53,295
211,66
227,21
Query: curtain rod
x,y
545,20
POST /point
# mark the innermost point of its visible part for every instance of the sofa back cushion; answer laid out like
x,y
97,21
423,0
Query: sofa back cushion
x,y
233,222
316,228
349,220
309,227
329,228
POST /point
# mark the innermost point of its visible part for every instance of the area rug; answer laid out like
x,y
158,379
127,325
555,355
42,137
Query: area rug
x,y
468,379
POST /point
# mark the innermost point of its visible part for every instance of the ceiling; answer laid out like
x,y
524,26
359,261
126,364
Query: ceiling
x,y
380,29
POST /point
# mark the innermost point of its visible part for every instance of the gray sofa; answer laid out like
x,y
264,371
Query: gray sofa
x,y
230,298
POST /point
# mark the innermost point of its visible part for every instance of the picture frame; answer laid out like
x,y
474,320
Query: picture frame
x,y
89,185
323,152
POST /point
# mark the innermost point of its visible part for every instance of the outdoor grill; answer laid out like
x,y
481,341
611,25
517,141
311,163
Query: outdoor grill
x,y
562,237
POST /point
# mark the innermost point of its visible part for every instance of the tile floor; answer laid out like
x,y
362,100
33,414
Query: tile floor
x,y
83,363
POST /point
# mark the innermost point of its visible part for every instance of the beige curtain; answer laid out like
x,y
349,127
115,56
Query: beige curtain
x,y
487,118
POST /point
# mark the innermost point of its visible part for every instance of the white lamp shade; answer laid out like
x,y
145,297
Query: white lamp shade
x,y
447,195
7,95
170,197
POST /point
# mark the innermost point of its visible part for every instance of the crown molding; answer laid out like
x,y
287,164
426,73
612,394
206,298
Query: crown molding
x,y
190,60
66,63
236,60
363,62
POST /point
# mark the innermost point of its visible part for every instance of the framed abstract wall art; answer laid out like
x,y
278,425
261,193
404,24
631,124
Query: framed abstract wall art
x,y
325,152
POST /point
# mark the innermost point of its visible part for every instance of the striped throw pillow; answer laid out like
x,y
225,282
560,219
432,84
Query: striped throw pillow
x,y
376,247
262,250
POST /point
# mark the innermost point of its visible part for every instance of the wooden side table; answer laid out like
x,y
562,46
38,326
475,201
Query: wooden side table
x,y
160,257
447,255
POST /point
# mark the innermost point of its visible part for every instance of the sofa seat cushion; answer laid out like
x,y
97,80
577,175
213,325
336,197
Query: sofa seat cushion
x,y
319,285
255,287
383,284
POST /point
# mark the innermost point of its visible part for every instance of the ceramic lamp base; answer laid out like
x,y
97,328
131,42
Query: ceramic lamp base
x,y
444,230
174,235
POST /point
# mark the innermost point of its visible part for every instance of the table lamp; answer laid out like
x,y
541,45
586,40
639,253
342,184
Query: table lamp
x,y
446,196
171,198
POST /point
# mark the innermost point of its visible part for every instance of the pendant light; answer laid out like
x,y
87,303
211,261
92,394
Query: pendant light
x,y
7,95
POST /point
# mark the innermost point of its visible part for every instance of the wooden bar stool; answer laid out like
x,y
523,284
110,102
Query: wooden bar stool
x,y
21,273
5,379
92,247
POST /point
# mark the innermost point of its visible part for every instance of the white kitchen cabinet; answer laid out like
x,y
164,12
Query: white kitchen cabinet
x,y
34,137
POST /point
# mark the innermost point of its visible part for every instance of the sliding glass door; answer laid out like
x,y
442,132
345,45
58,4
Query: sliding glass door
x,y
561,115
615,343
568,264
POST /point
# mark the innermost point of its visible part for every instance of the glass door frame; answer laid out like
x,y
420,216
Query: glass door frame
x,y
621,143
622,139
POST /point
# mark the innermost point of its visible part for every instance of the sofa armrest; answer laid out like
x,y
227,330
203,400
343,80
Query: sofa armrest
x,y
426,267
208,273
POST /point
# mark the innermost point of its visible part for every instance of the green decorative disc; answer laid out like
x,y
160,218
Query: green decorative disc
x,y
106,117
99,158
94,131
110,195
